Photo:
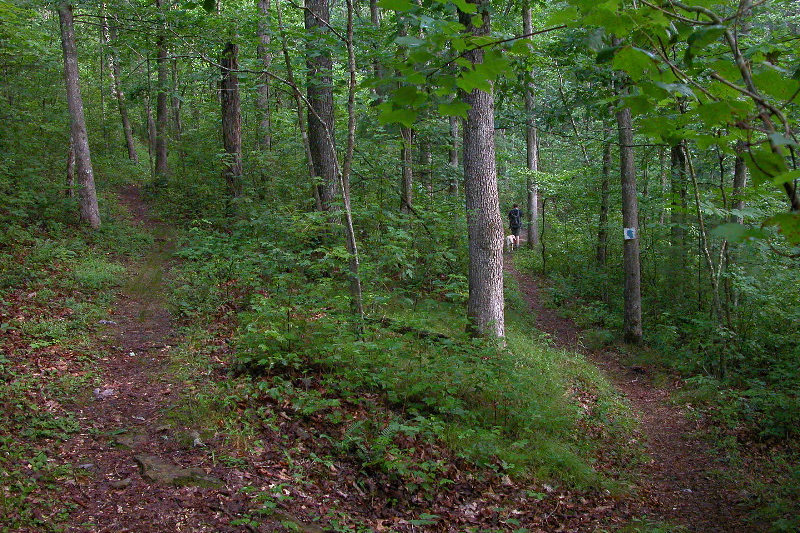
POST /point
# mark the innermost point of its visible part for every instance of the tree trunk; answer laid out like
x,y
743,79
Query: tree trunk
x,y
302,125
632,316
175,104
356,298
453,156
70,189
677,268
407,165
320,100
87,195
739,183
531,144
265,125
120,97
426,167
485,305
162,116
602,229
231,120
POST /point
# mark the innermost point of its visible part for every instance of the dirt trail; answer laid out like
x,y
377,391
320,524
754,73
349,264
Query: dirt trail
x,y
684,484
125,416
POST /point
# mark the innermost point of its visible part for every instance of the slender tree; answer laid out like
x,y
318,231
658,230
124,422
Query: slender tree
x,y
531,143
453,156
231,119
162,114
407,167
119,95
87,195
262,102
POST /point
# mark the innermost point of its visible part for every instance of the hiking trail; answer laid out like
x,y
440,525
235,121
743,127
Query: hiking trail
x,y
684,483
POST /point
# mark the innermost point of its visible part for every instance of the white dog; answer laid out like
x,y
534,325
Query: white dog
x,y
511,243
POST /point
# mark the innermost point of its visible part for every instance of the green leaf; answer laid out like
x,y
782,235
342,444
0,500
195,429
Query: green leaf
x,y
389,115
679,88
568,16
776,84
473,79
455,108
779,140
764,164
733,232
633,61
700,39
606,55
788,225
408,40
722,112
476,20
408,96
780,179
396,5
463,5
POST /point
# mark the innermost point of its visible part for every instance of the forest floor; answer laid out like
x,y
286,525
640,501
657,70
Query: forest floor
x,y
138,470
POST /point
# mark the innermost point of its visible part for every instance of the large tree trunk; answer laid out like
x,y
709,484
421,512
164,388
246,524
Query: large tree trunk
x,y
231,120
532,145
485,305
120,97
87,195
162,116
632,316
320,99
265,125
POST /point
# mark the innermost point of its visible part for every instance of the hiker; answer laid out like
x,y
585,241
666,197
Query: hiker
x,y
515,222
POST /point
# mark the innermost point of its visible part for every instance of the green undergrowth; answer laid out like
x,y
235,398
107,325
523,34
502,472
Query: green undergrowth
x,y
375,392
57,286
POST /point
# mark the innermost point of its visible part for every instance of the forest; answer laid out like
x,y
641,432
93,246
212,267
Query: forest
x,y
255,274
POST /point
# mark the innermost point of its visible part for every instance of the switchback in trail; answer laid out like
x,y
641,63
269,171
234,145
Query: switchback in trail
x,y
685,483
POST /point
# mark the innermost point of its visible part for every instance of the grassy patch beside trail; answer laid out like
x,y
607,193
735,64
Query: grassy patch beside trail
x,y
410,404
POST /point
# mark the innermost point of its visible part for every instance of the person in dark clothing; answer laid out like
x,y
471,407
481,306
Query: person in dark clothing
x,y
515,222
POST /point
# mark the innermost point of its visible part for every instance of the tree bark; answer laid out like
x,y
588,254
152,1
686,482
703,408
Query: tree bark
x,y
87,195
119,94
453,156
265,125
320,100
162,115
426,167
531,144
407,165
739,183
605,185
632,316
485,305
356,298
231,120
302,124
